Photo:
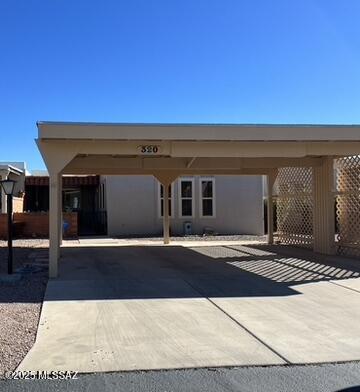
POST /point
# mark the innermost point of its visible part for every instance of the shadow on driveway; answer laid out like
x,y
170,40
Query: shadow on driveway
x,y
145,272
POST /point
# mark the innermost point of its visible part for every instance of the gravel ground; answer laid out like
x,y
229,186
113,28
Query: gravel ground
x,y
20,302
237,237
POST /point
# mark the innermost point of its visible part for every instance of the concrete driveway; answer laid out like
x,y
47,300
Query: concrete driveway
x,y
160,307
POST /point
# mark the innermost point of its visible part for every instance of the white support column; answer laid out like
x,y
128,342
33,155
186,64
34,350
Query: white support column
x,y
60,212
166,179
54,226
166,218
324,211
270,206
270,212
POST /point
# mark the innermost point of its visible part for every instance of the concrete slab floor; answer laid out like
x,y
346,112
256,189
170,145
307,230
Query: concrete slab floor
x,y
135,334
320,325
153,307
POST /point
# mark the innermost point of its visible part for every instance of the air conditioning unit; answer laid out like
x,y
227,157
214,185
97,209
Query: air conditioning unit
x,y
187,228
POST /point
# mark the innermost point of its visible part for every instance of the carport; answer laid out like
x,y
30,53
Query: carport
x,y
168,151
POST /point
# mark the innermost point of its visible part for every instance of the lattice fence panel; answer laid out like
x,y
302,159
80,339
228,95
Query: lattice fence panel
x,y
294,202
348,205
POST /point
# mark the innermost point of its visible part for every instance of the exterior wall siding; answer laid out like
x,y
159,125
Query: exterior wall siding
x,y
133,206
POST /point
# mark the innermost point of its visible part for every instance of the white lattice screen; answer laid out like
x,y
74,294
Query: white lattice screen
x,y
294,202
348,205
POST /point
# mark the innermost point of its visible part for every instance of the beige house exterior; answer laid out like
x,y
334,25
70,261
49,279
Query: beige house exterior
x,y
198,205
169,151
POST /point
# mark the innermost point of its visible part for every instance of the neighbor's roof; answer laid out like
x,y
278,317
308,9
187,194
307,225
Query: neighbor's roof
x,y
197,132
10,168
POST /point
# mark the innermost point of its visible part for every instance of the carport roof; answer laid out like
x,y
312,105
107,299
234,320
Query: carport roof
x,y
192,149
197,132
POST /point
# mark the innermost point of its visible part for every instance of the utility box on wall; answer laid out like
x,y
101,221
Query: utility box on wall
x,y
187,228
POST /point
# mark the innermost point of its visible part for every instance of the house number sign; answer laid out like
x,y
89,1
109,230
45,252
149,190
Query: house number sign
x,y
149,149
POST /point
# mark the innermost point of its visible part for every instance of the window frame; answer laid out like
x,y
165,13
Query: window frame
x,y
159,198
192,180
213,198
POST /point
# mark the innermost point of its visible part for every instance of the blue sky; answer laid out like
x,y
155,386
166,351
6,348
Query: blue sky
x,y
224,61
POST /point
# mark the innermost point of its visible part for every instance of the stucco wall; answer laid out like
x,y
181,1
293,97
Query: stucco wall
x,y
133,207
130,203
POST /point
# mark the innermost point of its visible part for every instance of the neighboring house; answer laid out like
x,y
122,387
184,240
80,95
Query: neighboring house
x,y
15,171
81,194
198,205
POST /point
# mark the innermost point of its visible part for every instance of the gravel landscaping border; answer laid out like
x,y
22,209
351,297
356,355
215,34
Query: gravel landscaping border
x,y
209,238
21,300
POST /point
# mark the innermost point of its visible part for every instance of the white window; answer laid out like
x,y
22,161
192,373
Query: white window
x,y
161,201
207,197
186,197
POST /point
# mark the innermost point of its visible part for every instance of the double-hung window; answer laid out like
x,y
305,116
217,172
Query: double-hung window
x,y
161,201
207,197
186,197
